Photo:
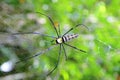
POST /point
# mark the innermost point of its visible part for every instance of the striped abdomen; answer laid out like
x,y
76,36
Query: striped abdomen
x,y
69,37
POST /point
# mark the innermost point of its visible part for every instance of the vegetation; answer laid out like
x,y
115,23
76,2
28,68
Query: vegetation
x,y
101,41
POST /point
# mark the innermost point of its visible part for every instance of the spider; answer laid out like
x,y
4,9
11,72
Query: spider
x,y
59,40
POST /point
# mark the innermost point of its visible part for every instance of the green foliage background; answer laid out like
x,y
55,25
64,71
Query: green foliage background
x,y
102,60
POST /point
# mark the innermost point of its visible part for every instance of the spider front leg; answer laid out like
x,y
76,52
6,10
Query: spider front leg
x,y
57,61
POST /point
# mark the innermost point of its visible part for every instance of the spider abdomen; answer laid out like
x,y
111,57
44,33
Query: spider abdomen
x,y
69,37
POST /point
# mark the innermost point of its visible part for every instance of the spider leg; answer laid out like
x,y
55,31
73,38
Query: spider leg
x,y
22,33
57,61
50,21
59,30
35,55
75,27
75,48
64,52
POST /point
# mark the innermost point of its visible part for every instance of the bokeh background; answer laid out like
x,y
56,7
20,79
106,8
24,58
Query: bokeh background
x,y
101,41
